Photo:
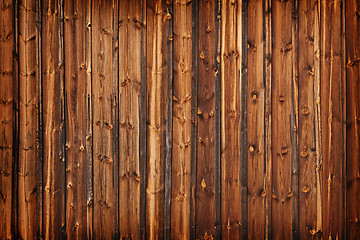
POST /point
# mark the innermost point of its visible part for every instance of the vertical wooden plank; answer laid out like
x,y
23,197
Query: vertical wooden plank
x,y
143,120
51,120
129,93
62,126
306,130
7,124
115,113
294,119
28,95
182,138
169,119
194,118
75,89
255,120
318,142
89,159
230,118
282,109
353,119
331,119
39,122
103,122
217,121
205,208
156,43
268,118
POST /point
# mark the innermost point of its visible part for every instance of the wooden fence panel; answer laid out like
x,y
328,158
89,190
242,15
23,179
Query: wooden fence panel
x,y
178,119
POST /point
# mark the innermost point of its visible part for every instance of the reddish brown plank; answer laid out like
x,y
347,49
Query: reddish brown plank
x,y
28,96
205,209
75,122
255,120
331,120
353,119
7,124
51,120
129,93
307,148
230,99
181,168
282,192
156,28
103,123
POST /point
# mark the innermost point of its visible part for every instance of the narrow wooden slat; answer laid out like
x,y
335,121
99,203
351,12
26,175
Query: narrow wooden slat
x,y
51,120
194,118
331,120
103,124
156,42
89,117
268,119
62,126
143,121
169,120
306,129
317,112
28,96
75,89
294,122
205,205
7,123
39,122
182,136
129,95
353,119
282,124
217,121
115,113
230,118
89,159
255,120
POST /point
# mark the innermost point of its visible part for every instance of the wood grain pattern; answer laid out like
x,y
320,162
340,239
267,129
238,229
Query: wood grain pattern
x,y
307,147
129,95
181,168
230,118
103,122
179,119
255,120
353,120
28,97
7,124
282,107
51,120
205,208
157,17
75,95
331,120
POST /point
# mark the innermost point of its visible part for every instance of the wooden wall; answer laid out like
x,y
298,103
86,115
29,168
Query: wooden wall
x,y
179,119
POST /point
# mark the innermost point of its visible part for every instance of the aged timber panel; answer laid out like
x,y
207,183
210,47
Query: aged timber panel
x,y
179,119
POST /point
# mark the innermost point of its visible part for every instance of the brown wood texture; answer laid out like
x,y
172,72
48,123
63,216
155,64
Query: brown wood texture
x,y
353,119
282,108
332,119
181,158
230,118
157,17
28,96
7,124
179,119
205,207
255,120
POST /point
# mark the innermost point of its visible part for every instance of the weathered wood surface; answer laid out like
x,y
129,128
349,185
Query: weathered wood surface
x,y
179,119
